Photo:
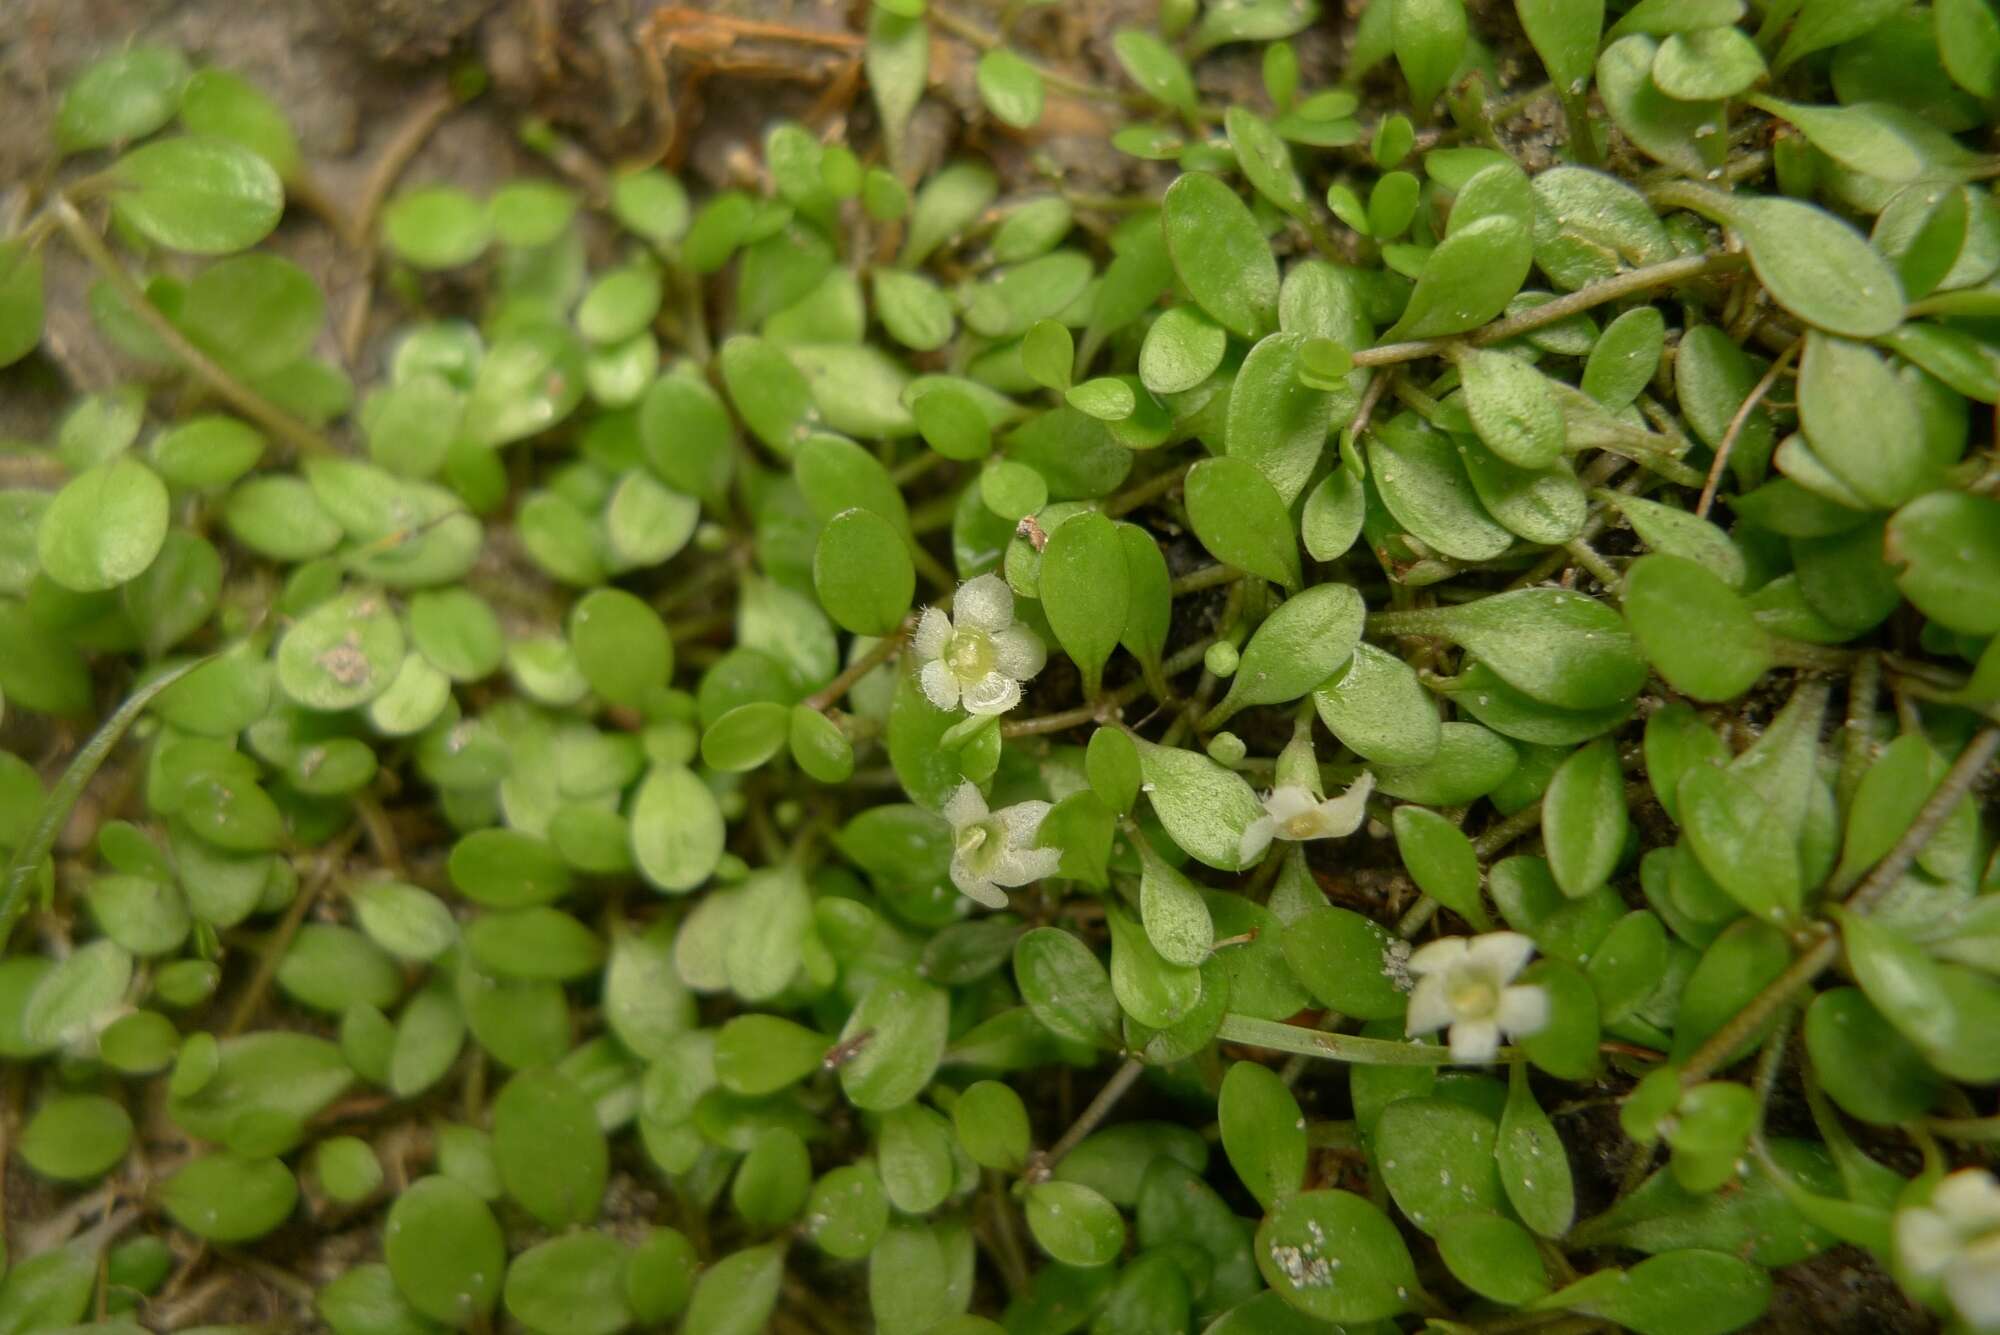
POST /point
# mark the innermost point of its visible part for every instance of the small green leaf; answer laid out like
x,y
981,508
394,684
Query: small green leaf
x,y
1263,1132
230,1198
1074,1224
1240,517
1512,408
1307,640
1814,265
1696,630
906,1019
1730,826
436,227
1675,1294
1946,550
1010,87
120,98
75,1138
1277,421
1304,1236
1155,67
104,527
1467,280
1440,859
551,1154
1347,961
1203,807
1863,1063
862,572
736,1295
1564,34
1584,820
1562,648
572,1285
1066,987
1534,1164
20,300
1429,41
1219,252
1183,347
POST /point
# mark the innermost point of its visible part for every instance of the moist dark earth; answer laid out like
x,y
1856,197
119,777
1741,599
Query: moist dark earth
x,y
354,76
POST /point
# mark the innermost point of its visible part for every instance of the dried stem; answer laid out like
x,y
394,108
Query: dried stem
x,y
1958,781
239,395
1736,425
1107,1098
1627,284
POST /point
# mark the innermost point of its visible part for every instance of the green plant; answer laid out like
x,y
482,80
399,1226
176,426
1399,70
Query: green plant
x,y
791,686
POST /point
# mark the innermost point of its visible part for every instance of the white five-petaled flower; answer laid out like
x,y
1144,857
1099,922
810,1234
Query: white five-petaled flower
x,y
991,850
976,656
1469,986
1955,1242
1292,812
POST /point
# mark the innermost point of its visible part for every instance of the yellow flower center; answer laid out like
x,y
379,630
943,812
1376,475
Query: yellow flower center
x,y
970,654
1473,998
1304,825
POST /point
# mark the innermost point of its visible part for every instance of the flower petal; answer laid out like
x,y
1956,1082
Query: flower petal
x,y
984,603
1501,954
1523,1010
940,687
932,634
1019,652
1430,1007
1020,866
965,806
1973,1282
1256,837
1341,816
983,889
1288,802
1926,1241
1970,1199
1022,821
1474,1041
992,694
1438,956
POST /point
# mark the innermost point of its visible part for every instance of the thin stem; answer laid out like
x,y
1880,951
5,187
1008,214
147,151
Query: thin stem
x,y
416,127
1208,577
1600,569
63,797
885,649
987,41
1958,781
1107,1098
1110,703
280,940
1133,497
1736,425
240,396
1857,743
1505,832
1280,1037
1624,285
1974,1130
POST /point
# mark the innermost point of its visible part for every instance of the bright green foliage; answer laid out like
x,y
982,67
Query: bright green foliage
x,y
951,722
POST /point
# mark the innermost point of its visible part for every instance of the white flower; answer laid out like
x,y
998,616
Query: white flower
x,y
976,656
1292,812
991,850
1465,984
1955,1241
